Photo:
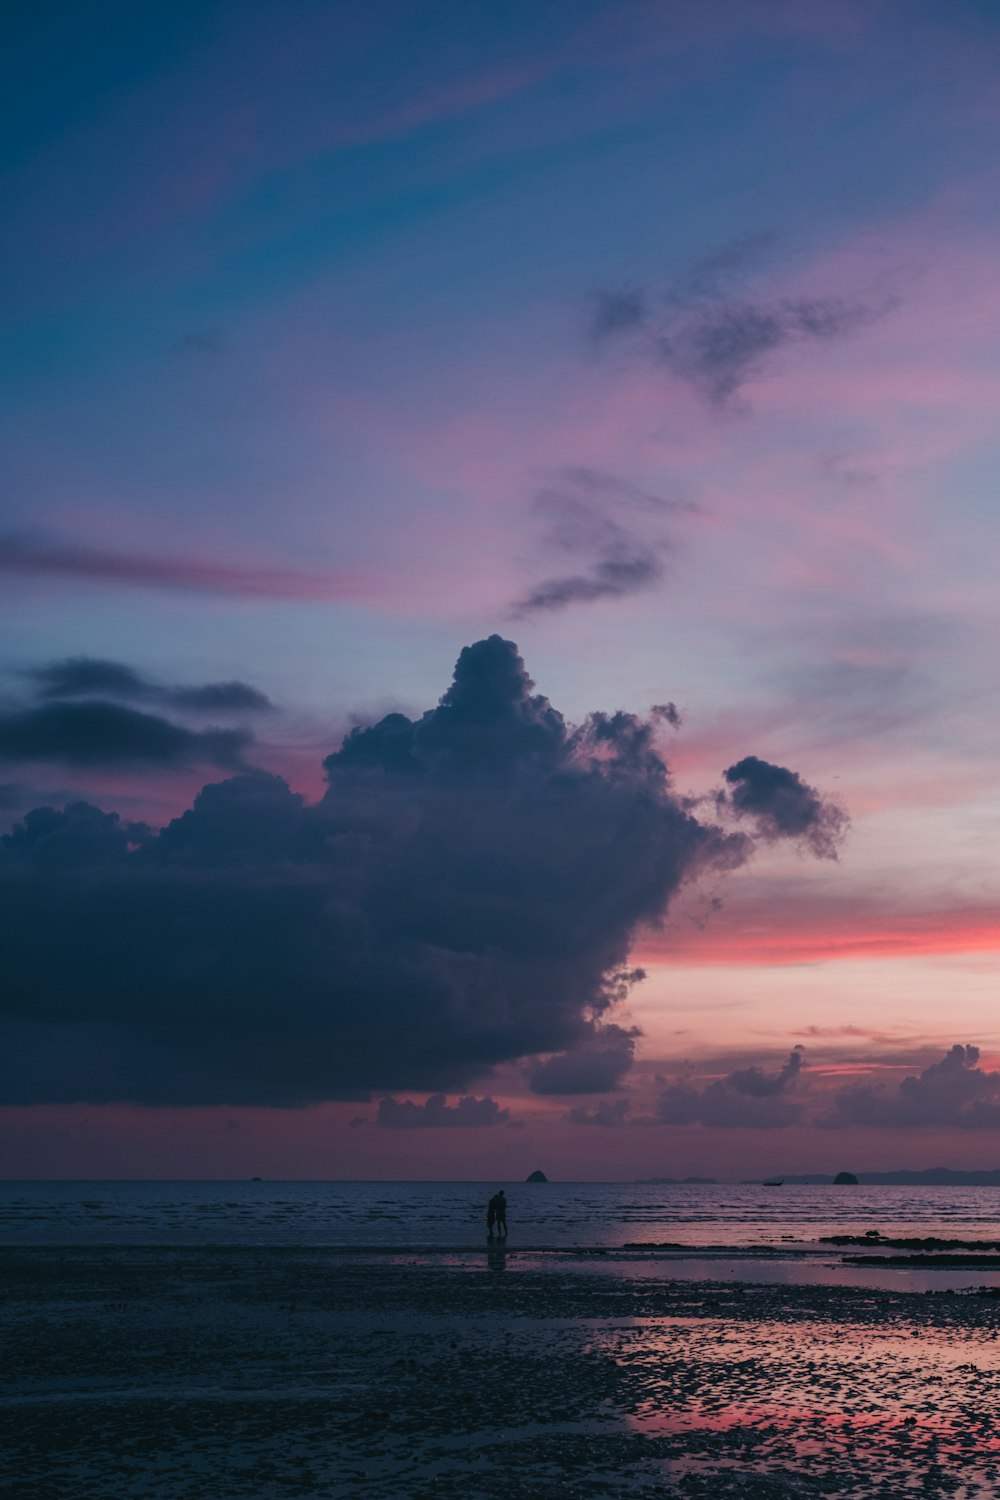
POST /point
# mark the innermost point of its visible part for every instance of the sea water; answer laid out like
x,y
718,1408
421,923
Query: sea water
x,y
430,1215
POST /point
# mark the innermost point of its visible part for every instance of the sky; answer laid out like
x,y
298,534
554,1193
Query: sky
x,y
497,570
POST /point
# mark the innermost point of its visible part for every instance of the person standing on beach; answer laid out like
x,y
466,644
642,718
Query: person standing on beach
x,y
496,1214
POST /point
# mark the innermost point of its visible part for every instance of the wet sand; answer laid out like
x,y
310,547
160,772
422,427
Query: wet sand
x,y
159,1374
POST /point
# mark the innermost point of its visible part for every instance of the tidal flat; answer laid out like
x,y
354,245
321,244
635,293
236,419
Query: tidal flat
x,y
170,1374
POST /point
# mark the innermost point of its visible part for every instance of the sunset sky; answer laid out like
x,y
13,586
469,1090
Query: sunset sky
x,y
659,339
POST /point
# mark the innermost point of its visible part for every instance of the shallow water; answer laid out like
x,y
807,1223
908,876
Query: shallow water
x,y
414,1214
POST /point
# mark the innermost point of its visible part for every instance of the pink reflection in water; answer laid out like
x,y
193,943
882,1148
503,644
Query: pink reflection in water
x,y
792,1395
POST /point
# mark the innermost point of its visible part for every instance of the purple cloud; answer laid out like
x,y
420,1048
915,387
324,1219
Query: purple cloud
x,y
747,1098
954,1092
595,1065
435,1113
610,1112
31,557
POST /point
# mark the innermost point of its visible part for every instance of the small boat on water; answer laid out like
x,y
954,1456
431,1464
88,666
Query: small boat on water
x,y
774,1182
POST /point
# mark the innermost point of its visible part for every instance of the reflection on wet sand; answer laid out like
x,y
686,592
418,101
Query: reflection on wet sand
x,y
166,1374
916,1405
496,1257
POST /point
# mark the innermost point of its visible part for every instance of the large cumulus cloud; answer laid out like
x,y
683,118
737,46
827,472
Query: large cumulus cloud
x,y
464,894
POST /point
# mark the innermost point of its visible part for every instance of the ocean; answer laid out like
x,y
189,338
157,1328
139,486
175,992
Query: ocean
x,y
362,1340
439,1215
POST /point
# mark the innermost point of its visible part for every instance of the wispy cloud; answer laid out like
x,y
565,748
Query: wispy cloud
x,y
89,677
95,733
37,557
611,531
711,330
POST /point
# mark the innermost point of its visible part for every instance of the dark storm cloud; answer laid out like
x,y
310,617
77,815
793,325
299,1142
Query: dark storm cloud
x,y
77,835
96,733
595,1065
465,894
88,677
402,1114
609,1112
706,329
952,1092
747,1097
610,531
783,806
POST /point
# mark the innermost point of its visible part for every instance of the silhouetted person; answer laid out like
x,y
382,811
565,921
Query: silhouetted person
x,y
496,1214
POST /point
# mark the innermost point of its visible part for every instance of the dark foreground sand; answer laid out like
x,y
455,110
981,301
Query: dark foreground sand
x,y
146,1373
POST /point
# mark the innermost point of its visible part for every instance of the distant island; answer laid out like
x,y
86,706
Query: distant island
x,y
927,1177
536,1177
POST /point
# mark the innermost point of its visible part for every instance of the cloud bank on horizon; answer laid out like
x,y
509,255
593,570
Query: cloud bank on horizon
x,y
464,894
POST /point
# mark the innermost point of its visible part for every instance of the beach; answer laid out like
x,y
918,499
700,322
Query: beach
x,y
168,1373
